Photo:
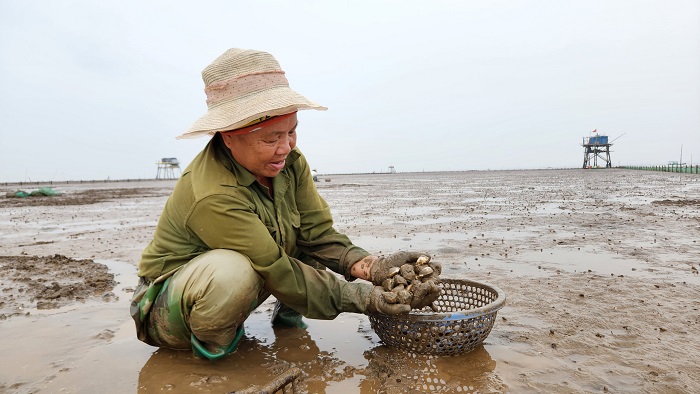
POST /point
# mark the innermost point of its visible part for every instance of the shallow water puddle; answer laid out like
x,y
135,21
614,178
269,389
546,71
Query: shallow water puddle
x,y
414,241
589,260
46,346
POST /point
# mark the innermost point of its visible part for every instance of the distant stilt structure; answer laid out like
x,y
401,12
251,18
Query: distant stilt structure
x,y
167,167
594,148
392,170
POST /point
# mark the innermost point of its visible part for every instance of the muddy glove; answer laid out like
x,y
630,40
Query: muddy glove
x,y
385,302
382,267
425,293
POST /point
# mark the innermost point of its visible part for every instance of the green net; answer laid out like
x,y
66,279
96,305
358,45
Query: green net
x,y
44,191
41,192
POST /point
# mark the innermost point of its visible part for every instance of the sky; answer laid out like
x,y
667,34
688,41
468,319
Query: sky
x,y
99,90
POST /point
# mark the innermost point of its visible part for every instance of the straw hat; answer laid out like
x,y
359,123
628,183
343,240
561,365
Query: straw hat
x,y
243,86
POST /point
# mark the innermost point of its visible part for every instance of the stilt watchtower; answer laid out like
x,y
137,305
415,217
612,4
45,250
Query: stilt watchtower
x,y
594,148
167,167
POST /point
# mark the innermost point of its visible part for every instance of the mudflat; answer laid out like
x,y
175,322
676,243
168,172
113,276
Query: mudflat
x,y
599,267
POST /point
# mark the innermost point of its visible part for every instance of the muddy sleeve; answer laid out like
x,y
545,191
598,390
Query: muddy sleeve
x,y
224,222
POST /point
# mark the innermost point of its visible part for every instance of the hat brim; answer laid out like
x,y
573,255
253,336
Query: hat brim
x,y
236,113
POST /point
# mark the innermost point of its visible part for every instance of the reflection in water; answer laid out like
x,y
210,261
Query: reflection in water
x,y
253,364
393,371
265,353
293,345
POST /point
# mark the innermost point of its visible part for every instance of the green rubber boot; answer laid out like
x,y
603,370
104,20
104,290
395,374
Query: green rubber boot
x,y
200,350
284,316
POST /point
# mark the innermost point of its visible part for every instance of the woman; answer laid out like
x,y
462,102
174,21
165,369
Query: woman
x,y
245,221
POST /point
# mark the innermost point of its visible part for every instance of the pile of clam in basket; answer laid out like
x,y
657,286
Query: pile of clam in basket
x,y
457,322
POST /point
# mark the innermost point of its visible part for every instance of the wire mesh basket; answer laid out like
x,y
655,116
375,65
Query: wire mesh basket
x,y
466,312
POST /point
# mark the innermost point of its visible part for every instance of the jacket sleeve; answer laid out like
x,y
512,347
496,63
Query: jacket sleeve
x,y
317,237
226,222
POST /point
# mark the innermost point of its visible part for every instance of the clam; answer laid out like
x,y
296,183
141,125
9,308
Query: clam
x,y
400,280
397,288
388,284
422,260
390,297
415,282
424,271
408,272
393,271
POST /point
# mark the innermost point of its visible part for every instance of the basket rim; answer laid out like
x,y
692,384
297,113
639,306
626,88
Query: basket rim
x,y
489,308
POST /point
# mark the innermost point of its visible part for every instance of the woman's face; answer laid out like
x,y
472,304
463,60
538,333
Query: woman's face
x,y
263,152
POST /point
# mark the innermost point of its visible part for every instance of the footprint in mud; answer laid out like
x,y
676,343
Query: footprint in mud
x,y
106,335
47,305
110,297
205,380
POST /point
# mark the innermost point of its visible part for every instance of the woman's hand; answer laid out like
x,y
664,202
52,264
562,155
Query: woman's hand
x,y
386,302
386,267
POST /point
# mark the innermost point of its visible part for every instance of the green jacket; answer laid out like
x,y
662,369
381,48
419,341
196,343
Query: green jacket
x,y
218,204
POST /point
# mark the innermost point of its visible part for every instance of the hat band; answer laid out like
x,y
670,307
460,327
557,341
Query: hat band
x,y
240,86
264,122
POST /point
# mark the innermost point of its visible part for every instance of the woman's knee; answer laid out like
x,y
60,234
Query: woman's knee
x,y
210,297
228,265
222,290
218,271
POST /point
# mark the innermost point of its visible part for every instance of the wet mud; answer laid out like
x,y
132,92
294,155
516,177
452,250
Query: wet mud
x,y
49,282
600,270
